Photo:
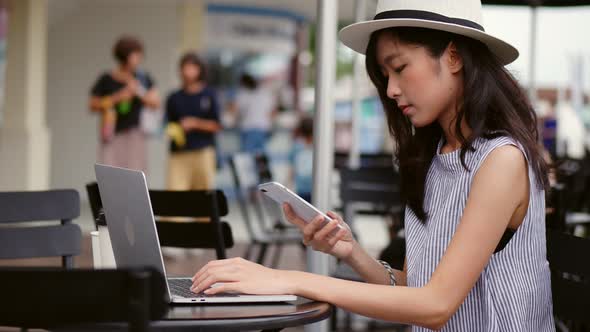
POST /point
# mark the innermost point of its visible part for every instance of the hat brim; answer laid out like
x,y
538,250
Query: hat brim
x,y
357,35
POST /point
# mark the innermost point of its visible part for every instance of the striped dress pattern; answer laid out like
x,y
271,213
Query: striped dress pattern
x,y
513,293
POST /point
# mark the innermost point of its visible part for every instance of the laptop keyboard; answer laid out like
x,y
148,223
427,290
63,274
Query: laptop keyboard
x,y
182,287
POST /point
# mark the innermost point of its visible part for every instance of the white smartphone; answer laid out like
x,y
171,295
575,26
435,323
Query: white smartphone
x,y
281,194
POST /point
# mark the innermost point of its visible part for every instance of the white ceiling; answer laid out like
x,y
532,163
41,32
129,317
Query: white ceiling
x,y
60,9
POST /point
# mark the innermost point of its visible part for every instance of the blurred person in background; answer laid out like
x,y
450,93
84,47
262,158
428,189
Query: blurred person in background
x,y
120,96
301,158
254,107
192,113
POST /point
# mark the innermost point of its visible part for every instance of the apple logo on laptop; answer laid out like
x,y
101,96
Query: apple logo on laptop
x,y
129,231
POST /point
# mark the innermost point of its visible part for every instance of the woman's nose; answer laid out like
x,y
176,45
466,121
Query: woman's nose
x,y
393,90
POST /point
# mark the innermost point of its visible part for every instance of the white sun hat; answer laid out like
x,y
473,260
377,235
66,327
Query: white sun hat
x,y
462,17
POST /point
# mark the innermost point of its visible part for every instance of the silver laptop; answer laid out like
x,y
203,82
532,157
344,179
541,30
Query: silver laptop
x,y
134,238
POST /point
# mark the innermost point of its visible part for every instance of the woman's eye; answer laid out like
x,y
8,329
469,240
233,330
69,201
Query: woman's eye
x,y
399,69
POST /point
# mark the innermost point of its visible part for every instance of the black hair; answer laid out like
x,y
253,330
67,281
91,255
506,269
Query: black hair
x,y
124,47
305,127
193,59
493,104
248,81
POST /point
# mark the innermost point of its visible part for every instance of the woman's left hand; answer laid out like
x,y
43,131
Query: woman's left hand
x,y
241,276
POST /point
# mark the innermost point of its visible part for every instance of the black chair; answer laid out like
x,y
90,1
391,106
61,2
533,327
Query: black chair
x,y
210,234
248,171
556,214
95,204
263,203
575,175
56,298
367,160
375,190
371,191
570,279
22,208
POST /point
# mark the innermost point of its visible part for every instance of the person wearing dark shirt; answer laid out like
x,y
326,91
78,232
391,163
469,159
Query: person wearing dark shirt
x,y
120,95
192,113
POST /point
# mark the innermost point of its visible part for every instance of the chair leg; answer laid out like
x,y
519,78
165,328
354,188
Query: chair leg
x,y
277,255
348,321
262,253
334,319
303,251
248,251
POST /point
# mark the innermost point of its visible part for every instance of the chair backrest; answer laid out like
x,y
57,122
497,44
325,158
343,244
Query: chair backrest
x,y
210,204
193,204
263,169
95,202
575,175
267,211
570,276
367,160
190,203
46,297
370,185
556,203
242,167
248,171
40,241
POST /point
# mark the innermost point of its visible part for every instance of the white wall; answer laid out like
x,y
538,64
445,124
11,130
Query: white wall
x,y
79,49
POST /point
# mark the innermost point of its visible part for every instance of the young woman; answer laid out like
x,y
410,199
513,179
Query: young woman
x,y
120,96
472,177
195,110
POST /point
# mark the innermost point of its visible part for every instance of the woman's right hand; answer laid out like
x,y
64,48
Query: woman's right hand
x,y
338,244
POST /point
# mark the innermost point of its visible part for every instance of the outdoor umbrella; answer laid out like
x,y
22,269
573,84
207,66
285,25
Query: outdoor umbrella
x,y
537,3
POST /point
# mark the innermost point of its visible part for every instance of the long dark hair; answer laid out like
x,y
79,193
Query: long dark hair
x,y
493,104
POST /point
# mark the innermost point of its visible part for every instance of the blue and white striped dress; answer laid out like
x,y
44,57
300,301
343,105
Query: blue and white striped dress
x,y
513,292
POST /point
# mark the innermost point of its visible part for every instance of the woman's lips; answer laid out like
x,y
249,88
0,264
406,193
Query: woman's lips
x,y
406,109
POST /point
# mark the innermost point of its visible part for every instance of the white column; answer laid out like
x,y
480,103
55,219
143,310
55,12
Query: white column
x,y
323,140
191,14
354,160
24,136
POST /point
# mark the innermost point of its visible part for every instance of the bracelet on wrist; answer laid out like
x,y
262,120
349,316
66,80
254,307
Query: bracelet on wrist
x,y
389,270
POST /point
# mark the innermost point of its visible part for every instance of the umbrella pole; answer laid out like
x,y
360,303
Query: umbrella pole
x,y
533,58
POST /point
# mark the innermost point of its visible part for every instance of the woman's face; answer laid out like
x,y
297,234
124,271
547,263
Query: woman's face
x,y
425,88
190,73
134,60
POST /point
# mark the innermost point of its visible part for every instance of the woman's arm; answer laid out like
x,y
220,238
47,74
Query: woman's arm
x,y
151,99
370,269
99,104
193,123
342,245
493,199
145,90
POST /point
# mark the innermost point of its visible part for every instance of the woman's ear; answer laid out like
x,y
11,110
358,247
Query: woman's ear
x,y
453,58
